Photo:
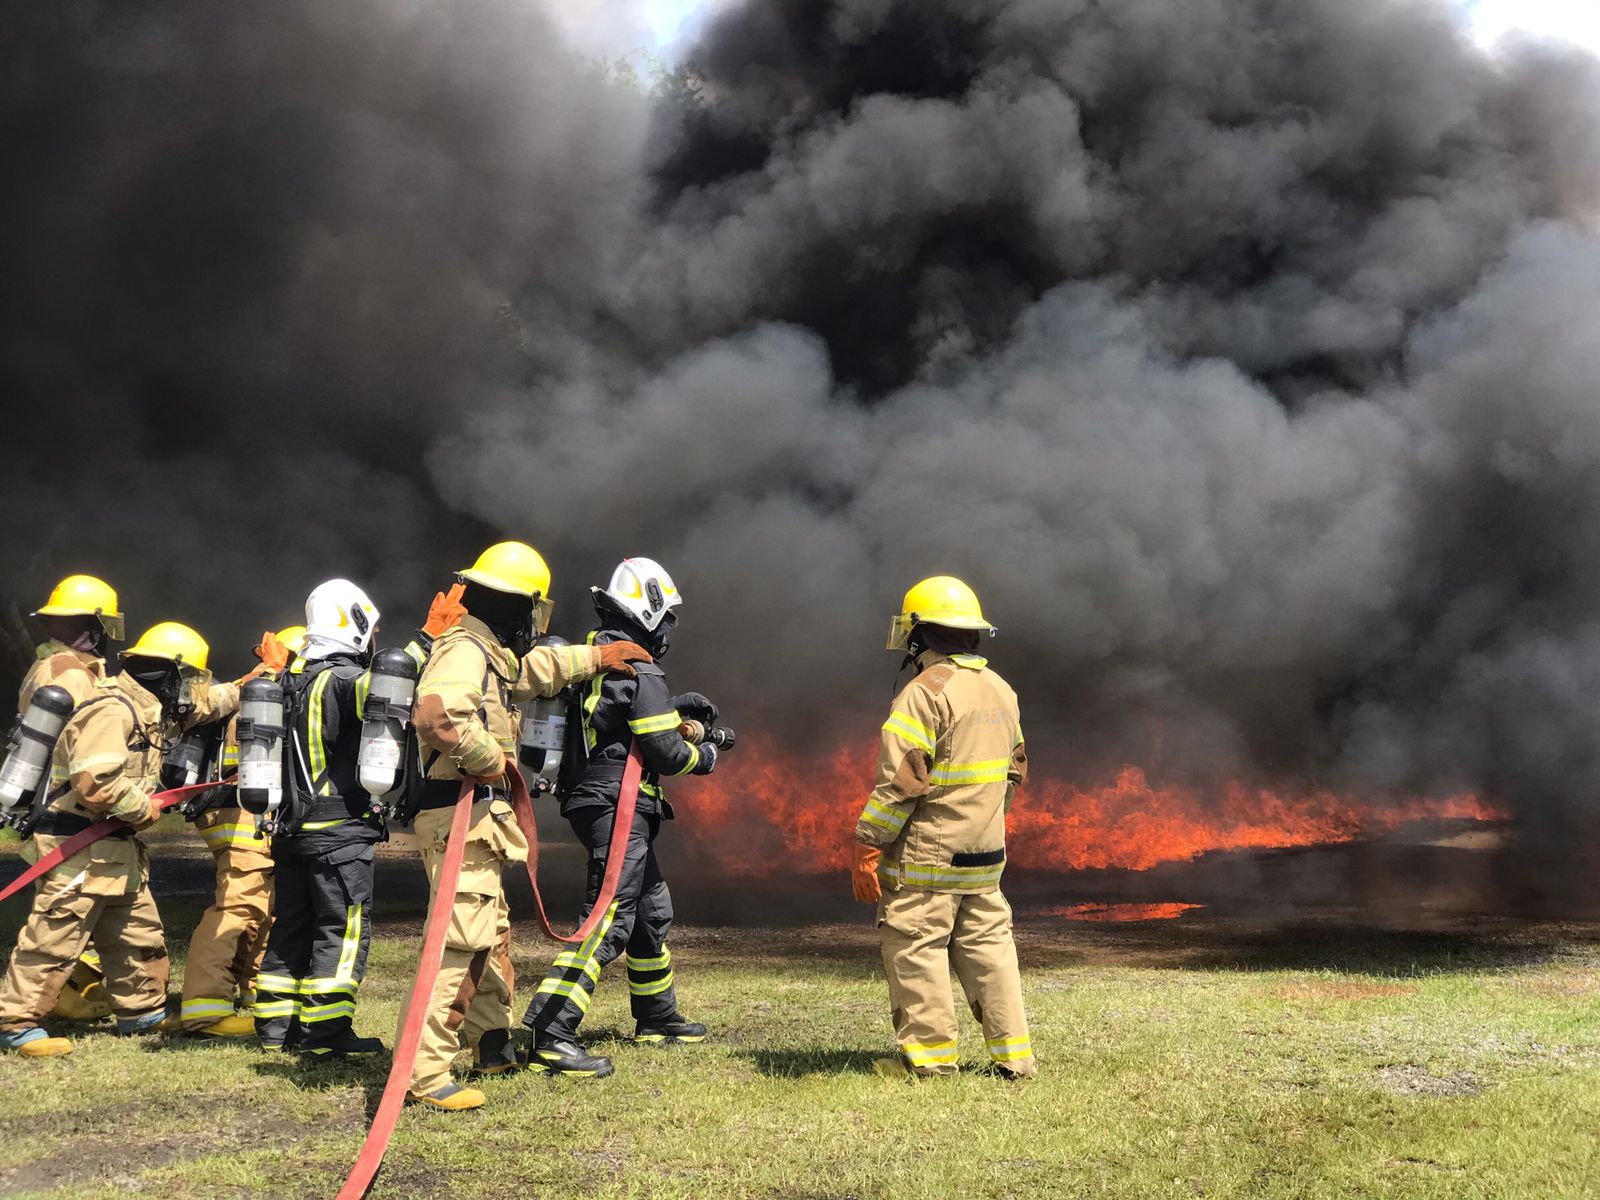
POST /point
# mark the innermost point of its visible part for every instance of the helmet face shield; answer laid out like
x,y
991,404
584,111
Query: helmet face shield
x,y
191,682
899,633
543,610
116,629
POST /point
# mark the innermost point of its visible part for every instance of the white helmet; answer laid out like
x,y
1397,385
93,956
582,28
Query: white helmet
x,y
340,614
642,588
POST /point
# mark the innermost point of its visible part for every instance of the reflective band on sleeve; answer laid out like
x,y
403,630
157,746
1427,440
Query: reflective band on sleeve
x,y
889,817
78,765
694,759
930,1054
575,660
961,774
659,723
912,730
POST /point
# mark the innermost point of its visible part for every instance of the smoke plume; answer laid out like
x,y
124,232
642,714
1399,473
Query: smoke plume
x,y
1238,352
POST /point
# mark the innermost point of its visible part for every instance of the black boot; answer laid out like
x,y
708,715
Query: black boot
x,y
671,1031
346,1045
495,1054
561,1057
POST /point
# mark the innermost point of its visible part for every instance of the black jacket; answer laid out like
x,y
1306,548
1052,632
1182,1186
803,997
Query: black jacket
x,y
327,807
615,710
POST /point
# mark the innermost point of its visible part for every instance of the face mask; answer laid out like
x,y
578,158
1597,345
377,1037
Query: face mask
x,y
165,684
663,635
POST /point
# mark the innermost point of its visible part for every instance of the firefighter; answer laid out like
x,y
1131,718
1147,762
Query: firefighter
x,y
930,844
323,850
228,944
106,764
467,726
638,606
80,619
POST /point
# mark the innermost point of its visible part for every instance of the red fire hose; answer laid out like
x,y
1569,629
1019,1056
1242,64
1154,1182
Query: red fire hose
x,y
405,1054
93,834
627,800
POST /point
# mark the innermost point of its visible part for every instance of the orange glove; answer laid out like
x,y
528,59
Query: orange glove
x,y
615,656
274,655
250,674
864,875
445,610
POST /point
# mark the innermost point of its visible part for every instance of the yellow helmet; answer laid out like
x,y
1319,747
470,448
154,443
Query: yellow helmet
x,y
172,641
511,567
85,596
292,638
939,600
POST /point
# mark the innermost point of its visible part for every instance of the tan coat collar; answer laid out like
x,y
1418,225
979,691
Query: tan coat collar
x,y
93,663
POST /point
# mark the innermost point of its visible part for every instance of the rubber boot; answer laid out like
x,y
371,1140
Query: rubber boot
x,y
452,1097
568,1058
674,1031
236,1026
150,1022
495,1054
34,1043
349,1046
92,1003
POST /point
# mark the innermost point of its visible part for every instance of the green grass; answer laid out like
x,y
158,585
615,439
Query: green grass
x,y
1199,1058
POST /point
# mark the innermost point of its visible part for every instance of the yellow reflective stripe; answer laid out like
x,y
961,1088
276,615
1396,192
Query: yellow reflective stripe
x,y
318,750
694,759
990,771
652,987
574,660
90,958
95,760
267,1009
590,702
558,987
314,826
650,789
885,816
923,1054
346,970
659,723
195,1009
437,684
363,686
912,730
945,876
1010,1049
973,662
230,755
417,653
589,966
277,983
650,964
229,833
1016,736
312,1013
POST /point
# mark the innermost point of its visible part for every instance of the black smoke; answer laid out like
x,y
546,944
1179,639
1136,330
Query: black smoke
x,y
1239,352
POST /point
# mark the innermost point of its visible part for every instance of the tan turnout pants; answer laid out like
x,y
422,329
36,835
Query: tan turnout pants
x,y
473,993
225,951
924,934
127,931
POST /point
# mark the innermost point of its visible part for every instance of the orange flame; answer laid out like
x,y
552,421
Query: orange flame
x,y
1120,913
767,811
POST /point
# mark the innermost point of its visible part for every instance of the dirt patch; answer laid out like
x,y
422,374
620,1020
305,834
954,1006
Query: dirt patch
x,y
1408,1079
1318,991
1559,987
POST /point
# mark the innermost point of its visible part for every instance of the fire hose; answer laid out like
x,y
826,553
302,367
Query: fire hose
x,y
91,835
405,1053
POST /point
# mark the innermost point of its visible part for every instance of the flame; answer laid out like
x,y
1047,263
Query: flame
x,y
767,811
1120,913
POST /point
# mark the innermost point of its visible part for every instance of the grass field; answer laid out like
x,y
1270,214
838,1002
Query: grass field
x,y
1200,1057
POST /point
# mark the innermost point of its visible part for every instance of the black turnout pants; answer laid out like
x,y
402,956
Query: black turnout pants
x,y
636,925
317,951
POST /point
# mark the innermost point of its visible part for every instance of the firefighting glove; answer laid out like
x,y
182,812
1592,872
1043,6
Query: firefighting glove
x,y
864,876
708,760
693,706
274,655
150,817
615,656
445,611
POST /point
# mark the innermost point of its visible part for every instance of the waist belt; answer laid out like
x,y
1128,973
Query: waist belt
x,y
443,793
56,823
332,808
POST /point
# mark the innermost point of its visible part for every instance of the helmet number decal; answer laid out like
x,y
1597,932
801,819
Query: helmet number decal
x,y
652,591
359,617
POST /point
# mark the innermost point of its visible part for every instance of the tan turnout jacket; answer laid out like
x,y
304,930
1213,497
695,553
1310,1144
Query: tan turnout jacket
x,y
59,664
950,758
106,764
